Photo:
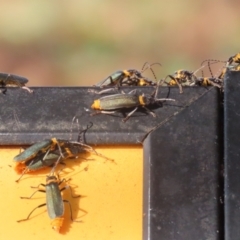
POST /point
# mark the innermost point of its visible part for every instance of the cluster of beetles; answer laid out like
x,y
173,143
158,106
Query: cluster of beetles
x,y
52,152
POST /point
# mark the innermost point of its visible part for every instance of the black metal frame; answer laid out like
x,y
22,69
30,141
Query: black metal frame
x,y
183,155
183,185
232,155
48,112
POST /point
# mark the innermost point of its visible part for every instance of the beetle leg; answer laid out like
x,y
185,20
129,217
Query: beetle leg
x,y
31,213
69,204
28,89
128,116
165,99
149,111
39,190
24,171
179,85
103,112
133,91
70,189
173,78
41,184
103,91
4,89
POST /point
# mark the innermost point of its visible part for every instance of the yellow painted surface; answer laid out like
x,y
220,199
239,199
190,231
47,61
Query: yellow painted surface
x,y
110,206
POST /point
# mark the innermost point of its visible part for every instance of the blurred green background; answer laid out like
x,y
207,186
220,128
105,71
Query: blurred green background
x,y
77,43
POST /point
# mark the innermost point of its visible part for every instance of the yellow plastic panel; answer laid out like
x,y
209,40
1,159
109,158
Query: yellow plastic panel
x,y
110,206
